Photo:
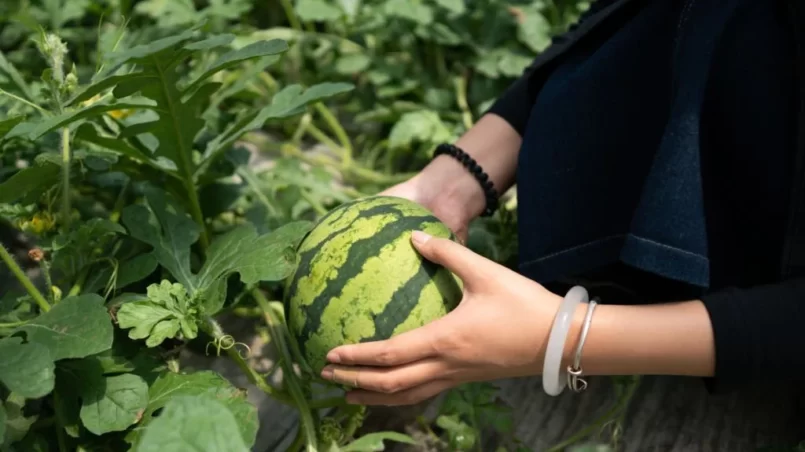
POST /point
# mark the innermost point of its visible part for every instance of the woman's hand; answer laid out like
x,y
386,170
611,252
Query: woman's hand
x,y
497,331
448,190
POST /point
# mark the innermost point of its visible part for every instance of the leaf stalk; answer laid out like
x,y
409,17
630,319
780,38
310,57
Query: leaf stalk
x,y
26,282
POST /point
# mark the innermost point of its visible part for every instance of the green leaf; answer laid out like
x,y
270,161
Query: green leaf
x,y
26,369
75,327
200,424
29,181
3,418
255,50
454,6
167,310
83,246
374,442
88,133
115,404
209,384
288,102
7,124
35,129
317,11
352,63
16,425
414,10
211,42
171,232
145,53
269,257
418,126
135,270
168,13
110,82
163,224
19,81
533,29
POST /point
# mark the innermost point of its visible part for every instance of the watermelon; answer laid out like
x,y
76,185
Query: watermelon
x,y
359,278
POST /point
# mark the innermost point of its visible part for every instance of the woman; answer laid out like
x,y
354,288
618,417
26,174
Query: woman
x,y
657,148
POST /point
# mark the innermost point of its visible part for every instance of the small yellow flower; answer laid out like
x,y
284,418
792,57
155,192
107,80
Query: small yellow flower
x,y
41,223
91,100
120,114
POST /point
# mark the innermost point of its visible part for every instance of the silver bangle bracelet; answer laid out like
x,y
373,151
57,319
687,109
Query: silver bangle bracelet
x,y
574,371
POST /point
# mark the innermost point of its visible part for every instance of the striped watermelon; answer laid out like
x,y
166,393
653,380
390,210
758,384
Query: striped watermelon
x,y
359,279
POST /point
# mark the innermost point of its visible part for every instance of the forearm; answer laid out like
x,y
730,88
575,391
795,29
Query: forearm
x,y
659,339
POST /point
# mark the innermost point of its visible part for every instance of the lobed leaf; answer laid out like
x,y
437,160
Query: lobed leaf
x,y
288,102
35,129
144,52
171,232
254,50
166,311
269,257
166,227
211,42
107,83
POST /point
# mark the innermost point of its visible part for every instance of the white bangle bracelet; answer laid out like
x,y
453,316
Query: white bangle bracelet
x,y
554,378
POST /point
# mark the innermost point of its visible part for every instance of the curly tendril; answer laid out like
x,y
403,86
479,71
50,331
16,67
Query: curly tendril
x,y
225,343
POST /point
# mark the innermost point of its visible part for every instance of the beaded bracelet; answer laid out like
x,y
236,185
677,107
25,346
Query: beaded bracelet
x,y
490,193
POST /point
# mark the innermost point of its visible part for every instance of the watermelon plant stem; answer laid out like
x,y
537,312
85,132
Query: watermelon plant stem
x,y
289,378
211,327
66,159
461,98
619,407
287,6
40,300
338,130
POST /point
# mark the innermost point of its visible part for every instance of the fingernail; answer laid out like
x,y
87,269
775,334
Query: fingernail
x,y
327,373
333,358
420,237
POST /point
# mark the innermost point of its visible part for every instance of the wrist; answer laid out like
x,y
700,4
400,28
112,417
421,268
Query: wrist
x,y
452,189
657,339
449,186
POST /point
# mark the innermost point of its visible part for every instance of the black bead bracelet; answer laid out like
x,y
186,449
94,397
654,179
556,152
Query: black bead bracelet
x,y
472,166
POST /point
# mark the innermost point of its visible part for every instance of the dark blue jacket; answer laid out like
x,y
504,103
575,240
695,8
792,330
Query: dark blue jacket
x,y
750,322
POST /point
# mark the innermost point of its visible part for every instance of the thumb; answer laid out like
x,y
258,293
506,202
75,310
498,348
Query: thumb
x,y
460,260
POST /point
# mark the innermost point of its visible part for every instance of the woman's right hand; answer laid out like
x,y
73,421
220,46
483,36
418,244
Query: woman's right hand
x,y
451,192
431,189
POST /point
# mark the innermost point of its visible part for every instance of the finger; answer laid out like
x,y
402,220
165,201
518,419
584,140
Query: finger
x,y
388,380
414,345
459,259
408,397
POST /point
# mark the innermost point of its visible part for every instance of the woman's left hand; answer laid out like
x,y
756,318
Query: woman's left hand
x,y
499,330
